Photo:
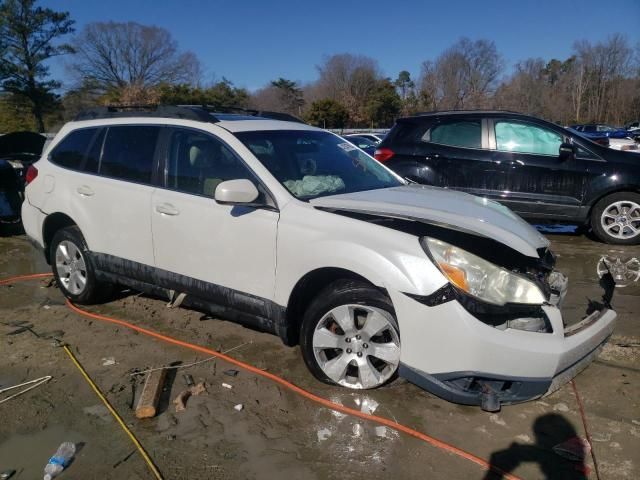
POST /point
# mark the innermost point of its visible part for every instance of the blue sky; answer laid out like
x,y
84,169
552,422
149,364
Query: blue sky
x,y
253,42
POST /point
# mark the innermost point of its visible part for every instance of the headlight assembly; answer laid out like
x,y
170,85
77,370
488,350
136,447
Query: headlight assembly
x,y
480,278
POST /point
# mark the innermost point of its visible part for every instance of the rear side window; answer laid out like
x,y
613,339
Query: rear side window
x,y
464,133
70,152
128,153
526,138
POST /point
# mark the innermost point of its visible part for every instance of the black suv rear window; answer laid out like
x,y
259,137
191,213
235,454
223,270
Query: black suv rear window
x,y
70,152
463,133
128,153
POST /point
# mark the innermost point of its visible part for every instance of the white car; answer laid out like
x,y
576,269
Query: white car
x,y
374,137
292,230
625,144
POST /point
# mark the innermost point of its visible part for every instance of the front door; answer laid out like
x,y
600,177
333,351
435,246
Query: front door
x,y
537,183
216,250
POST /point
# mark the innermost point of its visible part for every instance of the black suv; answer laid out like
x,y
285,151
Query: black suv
x,y
538,169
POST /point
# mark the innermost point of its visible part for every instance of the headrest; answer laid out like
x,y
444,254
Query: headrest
x,y
201,155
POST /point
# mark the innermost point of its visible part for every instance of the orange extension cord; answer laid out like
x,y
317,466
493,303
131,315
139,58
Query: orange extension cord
x,y
288,385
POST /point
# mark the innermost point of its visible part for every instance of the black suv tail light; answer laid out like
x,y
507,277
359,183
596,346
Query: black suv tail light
x,y
383,154
32,173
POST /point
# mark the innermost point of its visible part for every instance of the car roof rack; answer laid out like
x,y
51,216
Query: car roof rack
x,y
153,111
201,113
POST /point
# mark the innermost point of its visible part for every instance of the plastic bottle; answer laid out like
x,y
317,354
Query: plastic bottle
x,y
60,460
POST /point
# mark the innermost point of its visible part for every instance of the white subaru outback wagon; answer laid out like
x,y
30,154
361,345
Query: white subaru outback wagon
x,y
292,230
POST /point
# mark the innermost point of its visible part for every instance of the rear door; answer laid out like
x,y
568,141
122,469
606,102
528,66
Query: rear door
x,y
229,249
537,184
454,154
111,196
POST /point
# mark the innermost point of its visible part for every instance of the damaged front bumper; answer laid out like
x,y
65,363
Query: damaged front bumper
x,y
464,359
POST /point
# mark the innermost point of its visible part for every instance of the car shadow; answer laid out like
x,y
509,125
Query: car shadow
x,y
551,430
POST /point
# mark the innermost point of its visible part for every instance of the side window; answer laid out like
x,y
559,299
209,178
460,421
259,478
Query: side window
x,y
128,153
70,152
526,138
198,162
464,133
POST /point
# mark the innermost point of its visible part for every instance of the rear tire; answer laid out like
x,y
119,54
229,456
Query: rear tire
x,y
615,218
73,268
350,336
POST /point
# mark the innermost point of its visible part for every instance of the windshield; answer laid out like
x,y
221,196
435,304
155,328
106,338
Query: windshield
x,y
313,164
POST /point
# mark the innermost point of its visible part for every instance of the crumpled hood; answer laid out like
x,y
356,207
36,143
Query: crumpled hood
x,y
443,207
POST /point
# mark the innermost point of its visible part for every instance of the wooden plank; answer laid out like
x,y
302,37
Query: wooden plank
x,y
148,401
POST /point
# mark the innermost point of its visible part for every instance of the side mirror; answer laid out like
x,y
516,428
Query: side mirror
x,y
236,192
566,152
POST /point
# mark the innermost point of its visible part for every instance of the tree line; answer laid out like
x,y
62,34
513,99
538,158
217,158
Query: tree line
x,y
127,63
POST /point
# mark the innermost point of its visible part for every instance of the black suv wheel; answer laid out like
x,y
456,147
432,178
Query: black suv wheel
x,y
616,218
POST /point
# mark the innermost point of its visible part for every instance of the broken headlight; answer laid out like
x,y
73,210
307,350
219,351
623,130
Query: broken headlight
x,y
480,278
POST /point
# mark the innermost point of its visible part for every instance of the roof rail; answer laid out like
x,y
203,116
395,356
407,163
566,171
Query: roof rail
x,y
462,111
201,113
213,109
152,111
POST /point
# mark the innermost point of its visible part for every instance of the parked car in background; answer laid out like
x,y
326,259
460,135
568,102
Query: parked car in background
x,y
363,143
21,149
293,230
608,130
538,169
633,126
374,137
626,144
10,199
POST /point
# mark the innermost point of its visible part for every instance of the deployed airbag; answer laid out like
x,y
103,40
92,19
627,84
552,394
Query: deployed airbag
x,y
314,185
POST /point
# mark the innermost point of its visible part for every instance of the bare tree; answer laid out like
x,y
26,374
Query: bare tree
x,y
116,56
465,75
350,80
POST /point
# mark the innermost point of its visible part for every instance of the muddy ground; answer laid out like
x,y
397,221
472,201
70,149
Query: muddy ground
x,y
278,434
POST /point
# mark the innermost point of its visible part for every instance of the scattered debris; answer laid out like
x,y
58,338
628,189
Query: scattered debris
x,y
575,449
5,475
238,407
33,384
181,400
231,372
524,438
381,431
148,401
226,385
188,380
497,420
560,407
323,434
368,405
108,361
46,307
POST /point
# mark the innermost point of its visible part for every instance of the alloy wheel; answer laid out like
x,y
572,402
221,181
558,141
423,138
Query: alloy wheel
x,y
621,220
357,346
71,267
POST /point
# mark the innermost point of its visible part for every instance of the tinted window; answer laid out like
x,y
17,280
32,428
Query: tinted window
x,y
526,138
198,163
466,133
312,164
69,153
128,153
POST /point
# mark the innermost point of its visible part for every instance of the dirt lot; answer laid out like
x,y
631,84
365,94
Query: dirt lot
x,y
278,434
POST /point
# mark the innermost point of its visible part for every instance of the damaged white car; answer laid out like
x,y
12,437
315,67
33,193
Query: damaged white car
x,y
289,229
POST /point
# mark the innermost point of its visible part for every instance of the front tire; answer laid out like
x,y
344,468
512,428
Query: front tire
x,y
615,219
73,269
350,336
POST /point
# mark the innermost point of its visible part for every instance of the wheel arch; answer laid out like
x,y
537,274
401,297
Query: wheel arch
x,y
617,189
52,223
307,288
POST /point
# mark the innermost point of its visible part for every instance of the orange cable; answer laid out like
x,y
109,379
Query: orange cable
x,y
290,386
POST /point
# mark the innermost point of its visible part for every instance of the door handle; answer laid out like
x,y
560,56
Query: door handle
x,y
84,191
167,209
